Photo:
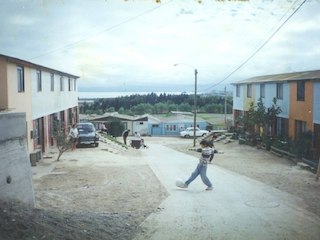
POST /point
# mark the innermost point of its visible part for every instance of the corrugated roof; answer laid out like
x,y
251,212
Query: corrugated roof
x,y
296,76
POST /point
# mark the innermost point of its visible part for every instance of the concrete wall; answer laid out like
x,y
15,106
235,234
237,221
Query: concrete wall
x,y
15,167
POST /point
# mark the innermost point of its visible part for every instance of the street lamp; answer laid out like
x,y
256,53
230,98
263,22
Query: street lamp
x,y
194,101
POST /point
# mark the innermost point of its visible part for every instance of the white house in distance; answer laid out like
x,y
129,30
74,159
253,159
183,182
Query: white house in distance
x,y
44,94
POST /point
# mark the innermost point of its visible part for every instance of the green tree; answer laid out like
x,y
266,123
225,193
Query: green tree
x,y
121,110
272,113
185,107
62,140
111,109
249,118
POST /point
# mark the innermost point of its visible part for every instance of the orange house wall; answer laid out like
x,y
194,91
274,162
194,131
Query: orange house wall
x,y
300,110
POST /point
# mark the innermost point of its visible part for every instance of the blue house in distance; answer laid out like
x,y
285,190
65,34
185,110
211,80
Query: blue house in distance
x,y
172,125
150,125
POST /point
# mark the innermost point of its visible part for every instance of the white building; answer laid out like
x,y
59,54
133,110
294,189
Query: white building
x,y
44,94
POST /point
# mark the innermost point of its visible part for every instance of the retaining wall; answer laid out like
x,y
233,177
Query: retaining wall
x,y
15,167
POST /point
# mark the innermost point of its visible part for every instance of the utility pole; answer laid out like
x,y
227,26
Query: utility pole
x,y
318,170
225,106
195,108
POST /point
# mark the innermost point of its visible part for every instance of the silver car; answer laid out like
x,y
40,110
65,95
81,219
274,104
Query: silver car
x,y
189,132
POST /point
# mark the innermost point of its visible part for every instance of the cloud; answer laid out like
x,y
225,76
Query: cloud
x,y
135,43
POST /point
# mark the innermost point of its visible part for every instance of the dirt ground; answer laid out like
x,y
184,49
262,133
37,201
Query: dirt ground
x,y
106,192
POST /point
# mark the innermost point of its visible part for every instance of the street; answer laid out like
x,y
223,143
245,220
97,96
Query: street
x,y
237,208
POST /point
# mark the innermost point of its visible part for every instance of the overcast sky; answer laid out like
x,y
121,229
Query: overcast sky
x,y
117,45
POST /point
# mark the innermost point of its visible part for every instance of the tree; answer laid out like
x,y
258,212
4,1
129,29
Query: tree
x,y
249,118
260,115
59,133
272,113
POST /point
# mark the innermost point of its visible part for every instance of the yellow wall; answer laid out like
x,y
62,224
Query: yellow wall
x,y
300,110
3,84
20,101
248,101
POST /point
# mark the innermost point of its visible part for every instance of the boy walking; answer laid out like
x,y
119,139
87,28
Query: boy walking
x,y
201,169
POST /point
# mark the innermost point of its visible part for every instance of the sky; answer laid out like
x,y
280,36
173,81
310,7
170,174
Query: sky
x,y
147,46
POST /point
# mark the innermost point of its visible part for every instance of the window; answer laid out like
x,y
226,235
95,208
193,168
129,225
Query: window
x,y
37,132
300,127
171,128
262,90
282,127
62,117
279,90
70,115
52,81
74,85
249,90
69,84
238,90
300,90
61,84
39,81
20,78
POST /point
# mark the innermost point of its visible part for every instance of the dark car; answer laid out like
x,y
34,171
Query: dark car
x,y
87,134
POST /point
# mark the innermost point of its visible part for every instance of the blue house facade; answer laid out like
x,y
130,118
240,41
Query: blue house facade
x,y
172,126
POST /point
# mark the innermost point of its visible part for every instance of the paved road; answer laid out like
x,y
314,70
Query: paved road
x,y
237,208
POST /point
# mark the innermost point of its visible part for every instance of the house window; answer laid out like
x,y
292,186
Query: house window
x,y
279,90
37,130
300,127
69,84
52,81
238,90
70,116
249,90
74,85
262,90
300,90
62,117
39,81
61,84
282,127
20,78
171,128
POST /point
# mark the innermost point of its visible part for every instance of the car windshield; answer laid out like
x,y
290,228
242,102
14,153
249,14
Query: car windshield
x,y
85,128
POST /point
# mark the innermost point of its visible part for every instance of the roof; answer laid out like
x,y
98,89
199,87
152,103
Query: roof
x,y
30,64
180,118
295,76
182,113
108,116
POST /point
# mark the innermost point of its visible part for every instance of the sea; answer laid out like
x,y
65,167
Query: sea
x,y
94,95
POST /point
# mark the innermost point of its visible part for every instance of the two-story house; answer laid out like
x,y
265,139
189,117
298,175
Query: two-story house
x,y
44,94
297,94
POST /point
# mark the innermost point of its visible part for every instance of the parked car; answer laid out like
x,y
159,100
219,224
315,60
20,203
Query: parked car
x,y
189,132
87,134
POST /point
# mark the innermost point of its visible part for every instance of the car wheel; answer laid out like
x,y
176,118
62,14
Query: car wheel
x,y
187,136
203,135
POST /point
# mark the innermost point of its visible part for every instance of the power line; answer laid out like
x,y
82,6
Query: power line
x,y
256,51
71,45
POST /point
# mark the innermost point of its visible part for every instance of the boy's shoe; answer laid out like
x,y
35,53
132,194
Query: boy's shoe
x,y
209,188
183,186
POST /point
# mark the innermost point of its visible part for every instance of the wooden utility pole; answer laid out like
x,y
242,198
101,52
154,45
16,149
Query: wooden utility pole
x,y
318,170
225,106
